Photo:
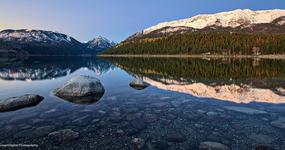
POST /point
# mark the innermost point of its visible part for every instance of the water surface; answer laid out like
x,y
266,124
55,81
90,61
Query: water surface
x,y
236,102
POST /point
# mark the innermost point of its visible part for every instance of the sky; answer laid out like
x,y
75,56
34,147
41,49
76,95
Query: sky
x,y
114,19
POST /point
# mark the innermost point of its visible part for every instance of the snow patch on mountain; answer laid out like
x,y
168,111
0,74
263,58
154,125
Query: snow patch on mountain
x,y
224,19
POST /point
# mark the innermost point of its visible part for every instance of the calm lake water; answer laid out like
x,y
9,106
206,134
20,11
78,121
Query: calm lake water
x,y
235,102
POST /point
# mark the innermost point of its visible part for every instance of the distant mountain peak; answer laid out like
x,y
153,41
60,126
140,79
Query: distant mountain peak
x,y
100,43
232,19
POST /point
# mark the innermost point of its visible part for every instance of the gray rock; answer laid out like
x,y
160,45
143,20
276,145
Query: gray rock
x,y
115,117
132,116
137,143
160,145
120,132
63,136
279,123
175,137
139,84
160,104
95,121
138,124
176,103
246,110
81,89
149,118
261,138
82,121
19,102
37,121
208,145
198,125
201,111
263,147
212,113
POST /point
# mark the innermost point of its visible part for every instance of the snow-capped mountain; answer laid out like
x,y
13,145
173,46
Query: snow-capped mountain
x,y
39,36
231,19
40,42
100,43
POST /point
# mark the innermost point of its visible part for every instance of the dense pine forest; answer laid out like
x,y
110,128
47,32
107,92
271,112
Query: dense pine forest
x,y
225,43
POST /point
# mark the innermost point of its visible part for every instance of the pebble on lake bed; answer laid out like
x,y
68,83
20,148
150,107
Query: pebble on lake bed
x,y
279,123
137,143
246,110
175,137
213,146
63,136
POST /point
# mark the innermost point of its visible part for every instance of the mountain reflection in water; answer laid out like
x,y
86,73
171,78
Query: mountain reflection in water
x,y
236,80
40,68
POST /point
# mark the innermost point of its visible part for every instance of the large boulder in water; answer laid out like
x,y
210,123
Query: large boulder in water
x,y
14,103
81,89
138,84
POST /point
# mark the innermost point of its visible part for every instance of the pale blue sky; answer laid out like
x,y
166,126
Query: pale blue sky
x,y
114,19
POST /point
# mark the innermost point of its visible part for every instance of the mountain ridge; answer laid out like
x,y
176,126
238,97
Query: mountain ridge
x,y
233,19
41,42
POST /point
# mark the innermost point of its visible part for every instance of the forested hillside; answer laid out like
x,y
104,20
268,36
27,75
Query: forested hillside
x,y
226,43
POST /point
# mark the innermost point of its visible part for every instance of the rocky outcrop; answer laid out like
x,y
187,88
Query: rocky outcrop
x,y
19,102
81,89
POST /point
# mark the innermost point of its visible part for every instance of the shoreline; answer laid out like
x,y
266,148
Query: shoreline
x,y
281,56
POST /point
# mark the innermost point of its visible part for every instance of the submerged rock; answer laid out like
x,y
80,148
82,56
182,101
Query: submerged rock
x,y
261,138
138,124
246,110
263,147
160,145
137,143
280,123
175,137
19,102
81,89
64,136
213,146
139,84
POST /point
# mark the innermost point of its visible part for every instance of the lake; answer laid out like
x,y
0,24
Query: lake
x,y
233,103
